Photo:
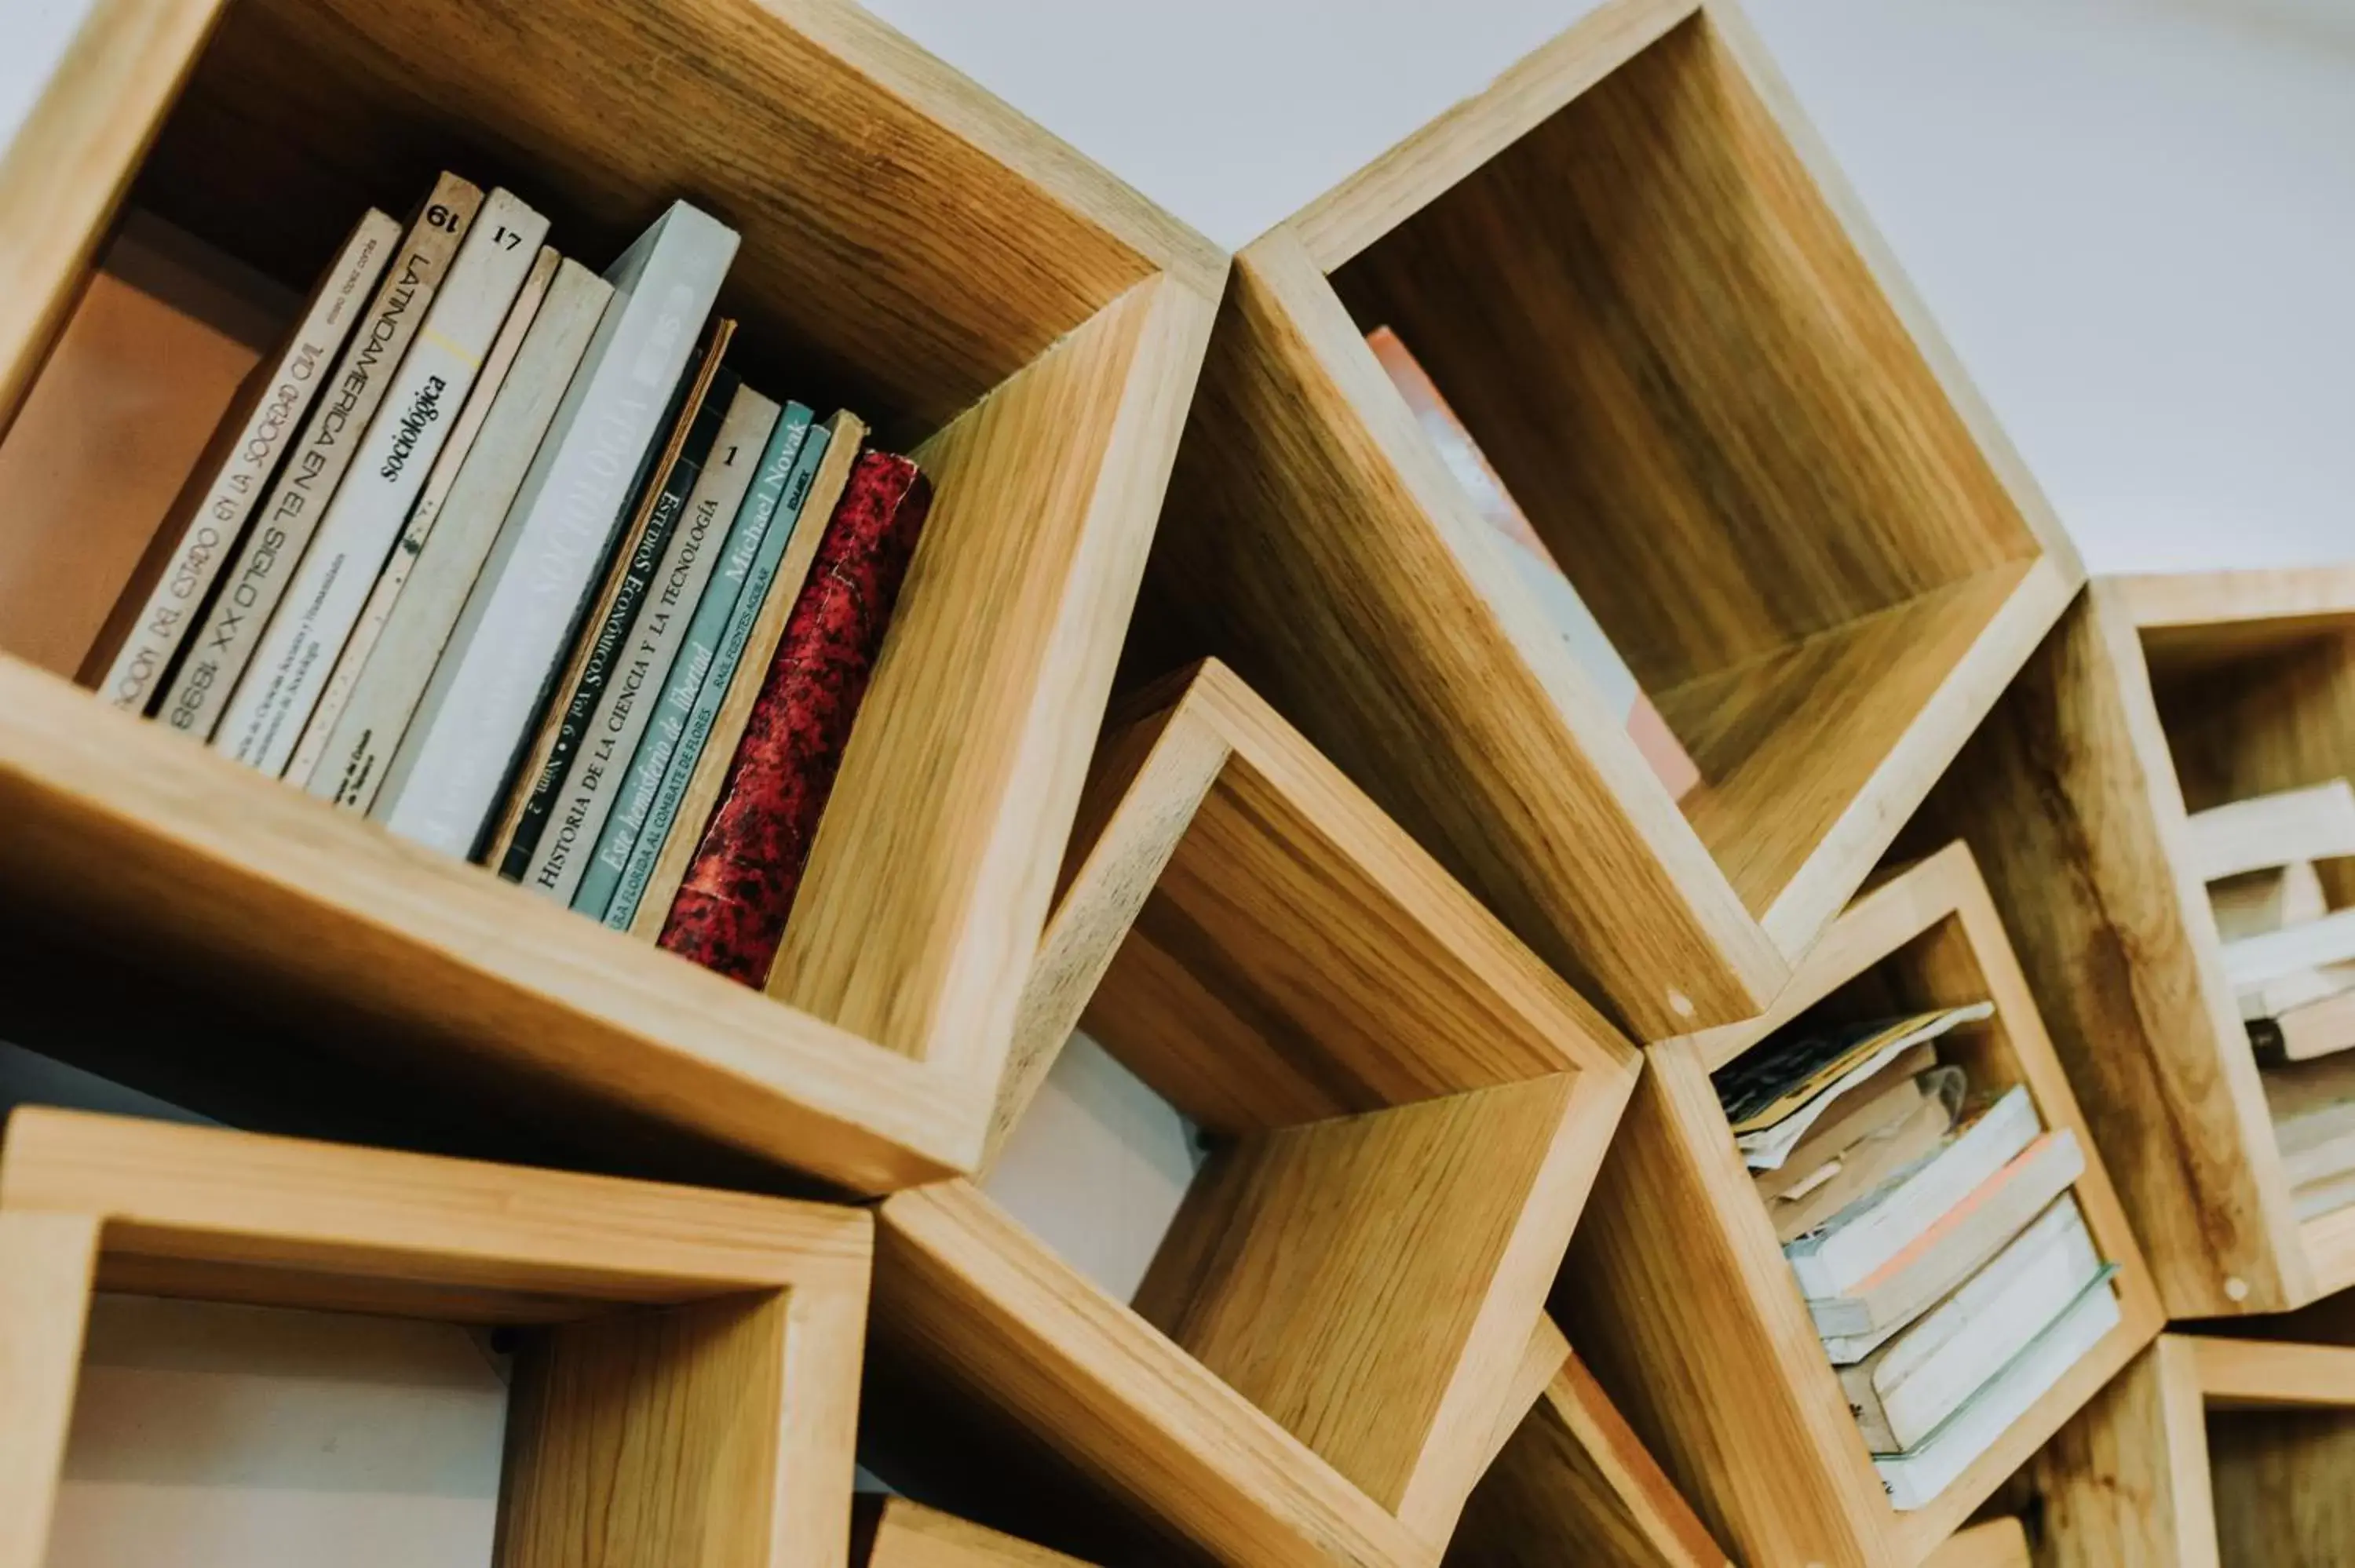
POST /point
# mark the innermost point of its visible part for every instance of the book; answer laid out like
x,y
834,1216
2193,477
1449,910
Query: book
x,y
481,709
393,581
1963,1235
692,786
735,560
732,906
1866,1165
1774,1092
2301,1033
356,535
2278,970
159,605
2255,902
1902,1391
1915,1479
598,644
1876,1105
2323,1195
2312,823
1536,566
1861,1239
618,724
2312,1106
250,589
464,543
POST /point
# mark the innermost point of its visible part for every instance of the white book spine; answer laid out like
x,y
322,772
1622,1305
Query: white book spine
x,y
618,723
1829,1261
385,697
494,676
265,718
213,528
394,579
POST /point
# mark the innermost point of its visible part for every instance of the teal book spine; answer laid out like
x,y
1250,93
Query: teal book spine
x,y
775,502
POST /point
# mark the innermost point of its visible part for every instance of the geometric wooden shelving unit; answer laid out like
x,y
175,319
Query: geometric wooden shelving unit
x,y
686,1385
980,292
1407,1110
1573,1481
1997,1543
1637,278
892,1533
1678,1297
2155,695
2208,1451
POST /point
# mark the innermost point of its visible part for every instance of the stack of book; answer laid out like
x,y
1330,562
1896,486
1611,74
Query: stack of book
x,y
502,554
1929,1222
2291,963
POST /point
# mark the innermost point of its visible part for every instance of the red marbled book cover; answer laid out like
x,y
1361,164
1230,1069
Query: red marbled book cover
x,y
730,911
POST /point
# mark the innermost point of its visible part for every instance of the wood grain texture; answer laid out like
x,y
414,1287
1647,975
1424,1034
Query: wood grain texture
x,y
1997,1543
2069,802
2285,1484
1703,1337
1575,1480
2245,1374
962,1289
892,1533
71,160
2125,1482
966,765
44,1281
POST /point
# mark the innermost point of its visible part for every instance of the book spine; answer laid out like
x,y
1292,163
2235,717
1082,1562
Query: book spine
x,y
167,595
315,469
779,516
376,613
668,653
356,535
730,911
393,680
609,647
475,716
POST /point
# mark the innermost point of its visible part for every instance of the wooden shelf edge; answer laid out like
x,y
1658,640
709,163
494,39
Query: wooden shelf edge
x,y
2161,601
2269,1374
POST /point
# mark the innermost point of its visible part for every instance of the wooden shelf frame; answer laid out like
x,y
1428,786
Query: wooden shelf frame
x,y
2207,1450
892,1533
2156,695
1636,274
1679,1296
1031,325
697,1348
1408,1107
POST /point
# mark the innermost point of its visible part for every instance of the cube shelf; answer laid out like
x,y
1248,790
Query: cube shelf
x,y
1408,1107
1574,1480
2208,1451
1997,1543
912,248
1632,272
688,1390
2155,695
1679,1297
892,1533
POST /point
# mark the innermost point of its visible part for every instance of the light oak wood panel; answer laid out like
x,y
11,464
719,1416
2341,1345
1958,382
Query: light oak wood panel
x,y
892,1533
704,1410
45,1283
2126,1481
1698,1330
2247,1374
1703,378
1575,1480
2284,1484
1997,1543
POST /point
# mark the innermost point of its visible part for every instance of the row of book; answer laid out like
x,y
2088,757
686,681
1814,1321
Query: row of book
x,y
501,553
1929,1222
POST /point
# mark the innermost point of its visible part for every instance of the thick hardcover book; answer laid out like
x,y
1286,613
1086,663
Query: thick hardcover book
x,y
479,710
739,559
128,663
730,911
249,591
618,724
599,642
622,725
739,672
355,538
465,547
376,613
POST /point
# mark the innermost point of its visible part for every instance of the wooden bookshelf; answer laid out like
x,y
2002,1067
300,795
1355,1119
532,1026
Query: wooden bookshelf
x,y
1634,274
1028,325
2156,695
687,1387
2208,1451
1408,1111
1678,1297
1574,1480
892,1533
1997,1543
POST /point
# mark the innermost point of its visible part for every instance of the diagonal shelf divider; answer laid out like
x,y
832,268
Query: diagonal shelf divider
x,y
1408,1109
